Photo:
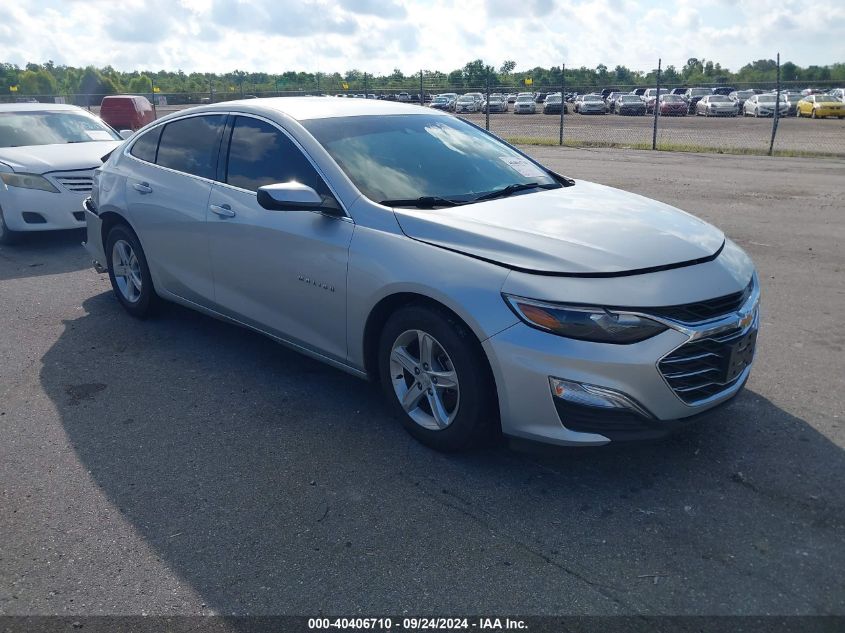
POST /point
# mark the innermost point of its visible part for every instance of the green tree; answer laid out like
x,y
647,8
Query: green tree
x,y
93,83
141,85
37,82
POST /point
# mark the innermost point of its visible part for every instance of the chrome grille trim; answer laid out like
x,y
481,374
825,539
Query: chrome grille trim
x,y
711,349
75,181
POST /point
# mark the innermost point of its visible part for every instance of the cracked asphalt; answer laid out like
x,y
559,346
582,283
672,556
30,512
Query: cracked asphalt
x,y
181,465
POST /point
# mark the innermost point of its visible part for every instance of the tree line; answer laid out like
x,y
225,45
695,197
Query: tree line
x,y
57,79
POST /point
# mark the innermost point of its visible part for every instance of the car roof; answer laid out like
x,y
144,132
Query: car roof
x,y
36,107
307,108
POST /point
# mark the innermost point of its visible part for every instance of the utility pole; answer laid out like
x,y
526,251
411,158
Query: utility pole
x,y
422,92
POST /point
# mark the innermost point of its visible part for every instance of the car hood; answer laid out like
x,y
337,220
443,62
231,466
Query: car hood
x,y
41,159
587,229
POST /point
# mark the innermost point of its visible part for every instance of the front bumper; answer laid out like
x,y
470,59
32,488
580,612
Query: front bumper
x,y
94,237
840,112
35,210
524,360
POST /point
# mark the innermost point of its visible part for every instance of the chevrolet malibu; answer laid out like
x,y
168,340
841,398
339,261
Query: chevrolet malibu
x,y
485,292
48,154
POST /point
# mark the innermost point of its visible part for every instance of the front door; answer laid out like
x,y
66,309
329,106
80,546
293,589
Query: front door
x,y
281,271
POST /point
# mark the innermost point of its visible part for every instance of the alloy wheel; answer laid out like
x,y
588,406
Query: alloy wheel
x,y
127,271
424,380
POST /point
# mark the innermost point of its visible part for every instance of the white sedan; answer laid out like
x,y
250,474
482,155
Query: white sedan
x,y
48,154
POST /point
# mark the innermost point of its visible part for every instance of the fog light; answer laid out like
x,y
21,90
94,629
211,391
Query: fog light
x,y
594,396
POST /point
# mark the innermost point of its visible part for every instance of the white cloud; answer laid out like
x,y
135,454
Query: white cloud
x,y
379,35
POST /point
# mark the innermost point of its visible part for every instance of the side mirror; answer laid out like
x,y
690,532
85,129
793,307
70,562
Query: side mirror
x,y
288,196
125,134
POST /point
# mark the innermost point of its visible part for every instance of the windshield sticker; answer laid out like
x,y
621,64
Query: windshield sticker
x,y
99,135
522,166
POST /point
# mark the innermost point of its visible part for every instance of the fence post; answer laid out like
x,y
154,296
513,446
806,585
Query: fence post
x,y
317,76
562,99
777,111
365,85
487,102
153,97
656,107
422,90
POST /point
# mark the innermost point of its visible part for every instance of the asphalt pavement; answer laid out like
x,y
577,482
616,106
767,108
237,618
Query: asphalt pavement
x,y
181,465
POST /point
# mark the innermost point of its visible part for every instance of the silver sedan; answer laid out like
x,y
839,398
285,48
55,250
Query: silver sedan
x,y
716,105
486,293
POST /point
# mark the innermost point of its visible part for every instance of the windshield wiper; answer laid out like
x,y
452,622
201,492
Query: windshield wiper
x,y
423,202
512,189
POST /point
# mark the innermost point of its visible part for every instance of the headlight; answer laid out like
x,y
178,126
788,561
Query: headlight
x,y
598,325
28,181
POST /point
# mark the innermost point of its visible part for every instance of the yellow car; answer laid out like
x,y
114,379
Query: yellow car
x,y
816,106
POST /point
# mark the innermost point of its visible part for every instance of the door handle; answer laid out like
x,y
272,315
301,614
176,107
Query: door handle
x,y
223,210
142,187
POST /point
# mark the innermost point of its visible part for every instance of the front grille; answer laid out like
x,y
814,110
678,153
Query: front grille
x,y
76,184
703,368
704,310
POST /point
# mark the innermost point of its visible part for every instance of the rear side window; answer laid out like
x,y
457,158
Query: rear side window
x,y
191,145
145,147
259,154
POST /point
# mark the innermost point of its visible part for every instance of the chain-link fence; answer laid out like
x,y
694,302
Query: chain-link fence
x,y
670,117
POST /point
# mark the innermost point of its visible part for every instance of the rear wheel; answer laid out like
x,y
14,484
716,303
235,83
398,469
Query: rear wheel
x,y
435,378
129,272
7,236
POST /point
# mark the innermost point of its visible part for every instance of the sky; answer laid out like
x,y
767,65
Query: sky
x,y
377,36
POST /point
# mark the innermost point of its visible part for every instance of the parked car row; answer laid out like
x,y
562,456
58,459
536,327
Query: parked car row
x,y
716,101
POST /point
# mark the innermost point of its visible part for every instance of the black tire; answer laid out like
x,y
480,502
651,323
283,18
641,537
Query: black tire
x,y
147,300
7,236
475,421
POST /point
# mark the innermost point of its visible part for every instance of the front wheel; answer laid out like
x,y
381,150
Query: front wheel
x,y
7,236
129,272
435,378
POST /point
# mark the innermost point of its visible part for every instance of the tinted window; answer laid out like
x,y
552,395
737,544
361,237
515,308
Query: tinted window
x,y
259,154
145,147
191,145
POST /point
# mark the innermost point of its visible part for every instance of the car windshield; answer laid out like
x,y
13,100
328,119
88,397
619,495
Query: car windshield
x,y
671,98
592,98
766,98
440,99
524,99
631,99
20,129
825,98
466,100
719,99
406,157
553,99
698,92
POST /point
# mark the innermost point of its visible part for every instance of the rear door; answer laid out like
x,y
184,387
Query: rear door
x,y
167,196
281,271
